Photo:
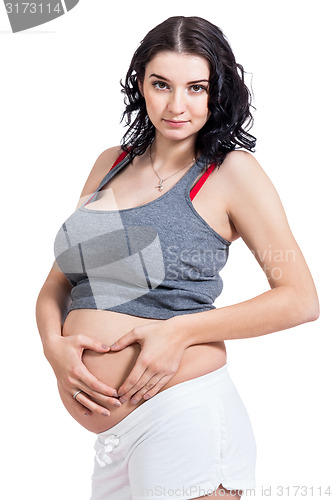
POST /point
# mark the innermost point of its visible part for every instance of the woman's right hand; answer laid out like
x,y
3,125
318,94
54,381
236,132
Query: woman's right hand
x,y
65,356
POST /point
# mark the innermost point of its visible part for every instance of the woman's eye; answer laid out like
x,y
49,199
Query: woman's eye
x,y
160,85
198,88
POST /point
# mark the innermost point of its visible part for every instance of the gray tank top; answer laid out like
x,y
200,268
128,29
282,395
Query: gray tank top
x,y
157,260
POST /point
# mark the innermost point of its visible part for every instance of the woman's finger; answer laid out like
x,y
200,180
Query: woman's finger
x,y
64,394
99,398
83,402
149,386
89,343
152,392
141,372
84,410
87,402
148,378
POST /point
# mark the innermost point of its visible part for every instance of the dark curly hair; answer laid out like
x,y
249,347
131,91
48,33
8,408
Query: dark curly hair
x,y
229,98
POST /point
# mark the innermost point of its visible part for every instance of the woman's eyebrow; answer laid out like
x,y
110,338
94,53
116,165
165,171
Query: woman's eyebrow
x,y
167,80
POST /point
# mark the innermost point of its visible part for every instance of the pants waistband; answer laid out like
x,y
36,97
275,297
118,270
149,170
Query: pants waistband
x,y
187,387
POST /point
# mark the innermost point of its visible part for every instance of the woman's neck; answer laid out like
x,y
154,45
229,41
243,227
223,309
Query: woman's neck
x,y
171,155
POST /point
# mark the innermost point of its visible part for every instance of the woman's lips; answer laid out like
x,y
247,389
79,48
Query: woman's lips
x,y
175,123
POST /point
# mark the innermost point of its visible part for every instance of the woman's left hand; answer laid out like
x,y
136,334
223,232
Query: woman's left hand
x,y
158,361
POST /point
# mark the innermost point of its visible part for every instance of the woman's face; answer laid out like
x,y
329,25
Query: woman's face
x,y
175,89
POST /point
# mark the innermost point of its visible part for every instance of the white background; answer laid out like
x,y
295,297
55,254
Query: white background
x,y
60,108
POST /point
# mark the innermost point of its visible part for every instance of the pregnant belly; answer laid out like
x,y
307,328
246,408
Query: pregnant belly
x,y
112,368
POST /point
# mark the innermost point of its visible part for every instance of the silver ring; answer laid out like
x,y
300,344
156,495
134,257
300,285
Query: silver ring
x,y
77,392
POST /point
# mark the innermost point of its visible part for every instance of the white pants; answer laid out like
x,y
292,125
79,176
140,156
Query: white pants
x,y
181,444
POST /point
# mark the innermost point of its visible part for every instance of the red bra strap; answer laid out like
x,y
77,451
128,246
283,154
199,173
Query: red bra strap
x,y
119,159
202,180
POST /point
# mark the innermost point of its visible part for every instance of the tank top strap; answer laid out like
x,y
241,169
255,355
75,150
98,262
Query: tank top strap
x,y
119,159
191,190
198,185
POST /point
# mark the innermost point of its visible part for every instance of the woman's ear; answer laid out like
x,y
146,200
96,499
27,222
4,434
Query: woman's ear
x,y
140,85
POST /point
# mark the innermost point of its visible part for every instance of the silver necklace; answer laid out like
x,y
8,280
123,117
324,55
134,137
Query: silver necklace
x,y
159,186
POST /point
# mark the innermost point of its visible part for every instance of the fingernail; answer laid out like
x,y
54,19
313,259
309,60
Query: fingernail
x,y
122,400
104,346
146,396
87,414
106,413
115,394
113,345
118,403
134,401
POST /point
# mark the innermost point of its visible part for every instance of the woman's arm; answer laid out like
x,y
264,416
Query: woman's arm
x,y
52,306
272,311
65,353
256,211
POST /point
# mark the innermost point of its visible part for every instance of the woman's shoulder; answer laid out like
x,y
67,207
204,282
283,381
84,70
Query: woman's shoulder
x,y
107,158
243,179
103,163
240,169
240,160
99,170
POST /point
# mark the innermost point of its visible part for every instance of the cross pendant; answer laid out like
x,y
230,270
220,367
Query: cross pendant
x,y
160,187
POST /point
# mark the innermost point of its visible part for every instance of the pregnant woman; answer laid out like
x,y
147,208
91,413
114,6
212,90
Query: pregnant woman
x,y
126,314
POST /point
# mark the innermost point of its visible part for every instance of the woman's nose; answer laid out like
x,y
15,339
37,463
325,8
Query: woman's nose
x,y
177,103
